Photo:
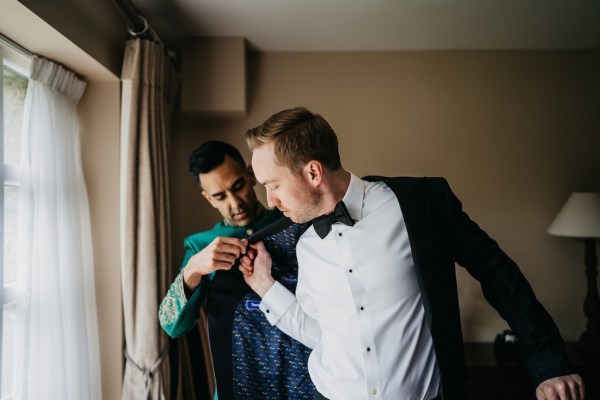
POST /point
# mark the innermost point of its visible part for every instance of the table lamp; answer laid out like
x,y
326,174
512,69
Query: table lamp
x,y
580,218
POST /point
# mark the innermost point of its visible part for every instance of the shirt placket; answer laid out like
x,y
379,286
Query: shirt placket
x,y
352,270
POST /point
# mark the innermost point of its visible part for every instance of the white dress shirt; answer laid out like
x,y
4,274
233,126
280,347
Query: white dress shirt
x,y
358,305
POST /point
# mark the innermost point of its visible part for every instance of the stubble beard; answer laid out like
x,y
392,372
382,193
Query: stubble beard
x,y
311,206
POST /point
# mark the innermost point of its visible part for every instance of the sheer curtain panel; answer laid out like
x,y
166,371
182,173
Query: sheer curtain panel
x,y
148,91
57,355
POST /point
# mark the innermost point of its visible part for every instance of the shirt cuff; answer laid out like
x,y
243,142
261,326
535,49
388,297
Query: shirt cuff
x,y
276,302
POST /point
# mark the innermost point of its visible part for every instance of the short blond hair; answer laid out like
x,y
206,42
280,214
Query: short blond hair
x,y
299,136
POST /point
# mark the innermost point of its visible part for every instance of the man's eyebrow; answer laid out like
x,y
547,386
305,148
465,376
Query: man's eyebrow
x,y
237,182
267,182
217,194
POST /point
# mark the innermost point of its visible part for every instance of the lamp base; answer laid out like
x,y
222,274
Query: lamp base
x,y
589,342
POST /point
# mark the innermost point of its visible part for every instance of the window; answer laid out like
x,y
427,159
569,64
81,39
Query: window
x,y
13,85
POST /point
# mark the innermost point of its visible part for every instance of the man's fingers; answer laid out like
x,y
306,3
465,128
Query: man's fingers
x,y
540,395
260,246
227,250
231,245
581,389
577,387
570,387
246,261
246,269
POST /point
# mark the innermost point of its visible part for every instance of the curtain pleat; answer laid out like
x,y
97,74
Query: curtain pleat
x,y
149,85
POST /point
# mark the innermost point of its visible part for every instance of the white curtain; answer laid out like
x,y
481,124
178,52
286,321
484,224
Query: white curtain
x,y
57,356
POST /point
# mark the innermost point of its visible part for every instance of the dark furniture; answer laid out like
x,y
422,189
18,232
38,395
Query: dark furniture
x,y
490,380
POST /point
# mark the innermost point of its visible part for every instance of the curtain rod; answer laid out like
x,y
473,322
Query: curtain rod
x,y
15,46
136,24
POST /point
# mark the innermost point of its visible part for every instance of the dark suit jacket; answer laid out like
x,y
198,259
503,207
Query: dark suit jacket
x,y
442,234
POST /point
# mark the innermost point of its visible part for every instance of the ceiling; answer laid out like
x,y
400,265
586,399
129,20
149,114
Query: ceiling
x,y
382,25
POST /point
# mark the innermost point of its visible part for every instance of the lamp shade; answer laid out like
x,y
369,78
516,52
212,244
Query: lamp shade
x,y
579,217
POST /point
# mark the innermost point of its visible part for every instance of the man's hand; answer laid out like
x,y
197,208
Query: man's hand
x,y
220,254
256,267
569,387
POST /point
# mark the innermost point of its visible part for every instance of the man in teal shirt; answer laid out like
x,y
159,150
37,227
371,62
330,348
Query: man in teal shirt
x,y
251,359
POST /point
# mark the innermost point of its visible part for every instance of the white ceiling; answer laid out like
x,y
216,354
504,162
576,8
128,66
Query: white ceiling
x,y
382,25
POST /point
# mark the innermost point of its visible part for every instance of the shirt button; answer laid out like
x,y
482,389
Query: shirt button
x,y
249,231
373,391
340,234
368,349
267,311
362,308
350,270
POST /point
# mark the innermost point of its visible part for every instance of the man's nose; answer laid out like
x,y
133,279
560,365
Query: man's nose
x,y
272,201
235,201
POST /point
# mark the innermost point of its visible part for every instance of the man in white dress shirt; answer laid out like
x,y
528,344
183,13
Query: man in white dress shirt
x,y
376,299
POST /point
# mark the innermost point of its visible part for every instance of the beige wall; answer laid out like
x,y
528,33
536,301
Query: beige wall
x,y
513,132
99,118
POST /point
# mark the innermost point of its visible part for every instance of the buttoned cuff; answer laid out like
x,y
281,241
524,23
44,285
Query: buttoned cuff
x,y
276,302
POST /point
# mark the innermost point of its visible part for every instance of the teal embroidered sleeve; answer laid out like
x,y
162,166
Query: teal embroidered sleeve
x,y
177,314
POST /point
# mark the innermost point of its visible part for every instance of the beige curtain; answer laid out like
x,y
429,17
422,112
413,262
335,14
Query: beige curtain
x,y
149,85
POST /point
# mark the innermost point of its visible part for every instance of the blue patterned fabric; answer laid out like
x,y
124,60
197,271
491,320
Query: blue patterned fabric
x,y
281,373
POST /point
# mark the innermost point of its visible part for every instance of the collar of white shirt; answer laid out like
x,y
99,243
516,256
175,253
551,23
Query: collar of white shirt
x,y
354,196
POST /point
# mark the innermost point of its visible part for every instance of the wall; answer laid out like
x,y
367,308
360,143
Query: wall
x,y
513,132
99,112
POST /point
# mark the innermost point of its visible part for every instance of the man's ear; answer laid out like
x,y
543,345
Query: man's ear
x,y
313,172
251,173
209,199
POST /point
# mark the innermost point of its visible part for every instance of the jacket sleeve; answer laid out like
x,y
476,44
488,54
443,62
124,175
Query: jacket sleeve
x,y
507,290
178,314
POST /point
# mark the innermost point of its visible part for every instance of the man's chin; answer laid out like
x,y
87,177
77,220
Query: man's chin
x,y
295,218
290,216
240,222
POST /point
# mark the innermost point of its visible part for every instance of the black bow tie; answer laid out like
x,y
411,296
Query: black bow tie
x,y
323,223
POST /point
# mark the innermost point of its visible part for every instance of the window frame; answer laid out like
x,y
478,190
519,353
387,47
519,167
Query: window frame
x,y
20,64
